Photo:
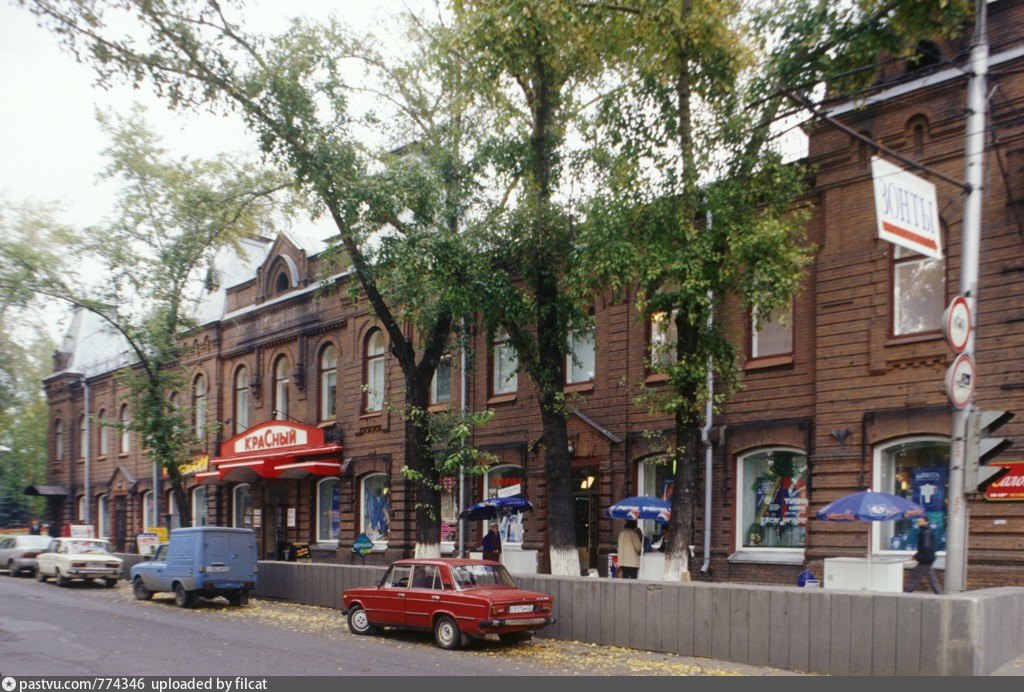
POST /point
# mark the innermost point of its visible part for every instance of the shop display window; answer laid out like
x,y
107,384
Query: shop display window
x,y
773,499
917,470
506,481
242,507
376,507
328,500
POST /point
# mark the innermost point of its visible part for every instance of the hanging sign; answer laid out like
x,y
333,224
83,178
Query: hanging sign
x,y
960,381
906,209
362,546
956,324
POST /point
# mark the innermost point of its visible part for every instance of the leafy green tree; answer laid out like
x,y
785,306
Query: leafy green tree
x,y
172,217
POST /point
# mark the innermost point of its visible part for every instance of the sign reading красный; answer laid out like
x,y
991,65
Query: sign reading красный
x,y
906,209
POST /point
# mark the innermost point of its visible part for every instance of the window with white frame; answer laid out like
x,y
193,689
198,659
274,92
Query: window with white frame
x,y
918,470
103,516
664,338
58,440
328,510
373,372
282,378
200,509
773,499
199,406
775,337
240,404
918,292
580,361
241,506
655,477
174,517
83,438
81,509
375,494
328,382
147,509
126,433
506,481
504,364
441,385
103,434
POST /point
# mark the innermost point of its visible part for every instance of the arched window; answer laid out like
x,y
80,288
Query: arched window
x,y
172,510
240,403
126,434
508,480
328,510
376,507
81,509
200,509
328,382
83,438
918,469
504,365
103,516
241,506
147,510
373,368
282,283
58,440
654,476
199,405
773,499
281,380
103,433
580,361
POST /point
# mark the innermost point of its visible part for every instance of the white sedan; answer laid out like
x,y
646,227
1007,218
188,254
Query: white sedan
x,y
78,558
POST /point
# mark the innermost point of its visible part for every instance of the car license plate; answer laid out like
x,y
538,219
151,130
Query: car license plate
x,y
520,609
218,569
230,585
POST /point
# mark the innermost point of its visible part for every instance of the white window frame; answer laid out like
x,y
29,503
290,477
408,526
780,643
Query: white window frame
x,y
876,477
237,521
755,332
83,439
103,433
240,399
196,504
125,418
373,357
325,541
102,516
912,258
81,510
485,526
377,545
58,440
147,509
740,524
199,392
577,342
641,477
445,362
501,344
281,381
328,383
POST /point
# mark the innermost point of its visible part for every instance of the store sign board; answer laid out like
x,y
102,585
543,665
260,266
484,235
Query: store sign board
x,y
906,209
1009,488
510,490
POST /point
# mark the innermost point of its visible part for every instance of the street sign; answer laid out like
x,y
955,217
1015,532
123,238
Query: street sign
x,y
960,381
362,546
906,209
956,324
1010,486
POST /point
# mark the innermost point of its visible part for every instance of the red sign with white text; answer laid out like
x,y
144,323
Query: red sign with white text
x,y
1010,487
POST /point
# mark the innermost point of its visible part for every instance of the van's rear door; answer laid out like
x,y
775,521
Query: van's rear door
x,y
230,557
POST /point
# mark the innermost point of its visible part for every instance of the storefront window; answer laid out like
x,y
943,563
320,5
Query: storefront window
x,y
449,514
242,507
103,516
200,510
376,522
506,481
773,499
919,471
328,502
654,479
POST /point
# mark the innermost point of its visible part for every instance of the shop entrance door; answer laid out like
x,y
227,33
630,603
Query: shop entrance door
x,y
275,534
585,502
120,522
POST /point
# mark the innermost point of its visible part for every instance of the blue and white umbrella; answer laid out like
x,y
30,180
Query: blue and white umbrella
x,y
636,508
870,506
495,507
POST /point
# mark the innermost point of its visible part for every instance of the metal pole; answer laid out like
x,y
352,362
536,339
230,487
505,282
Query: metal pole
x,y
974,155
462,470
709,408
87,456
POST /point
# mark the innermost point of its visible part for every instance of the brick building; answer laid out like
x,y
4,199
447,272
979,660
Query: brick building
x,y
840,394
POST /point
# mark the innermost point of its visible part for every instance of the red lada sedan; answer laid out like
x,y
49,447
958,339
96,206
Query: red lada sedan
x,y
456,599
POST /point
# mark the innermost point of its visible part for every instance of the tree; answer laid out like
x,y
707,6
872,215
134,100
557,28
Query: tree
x,y
291,91
171,219
709,209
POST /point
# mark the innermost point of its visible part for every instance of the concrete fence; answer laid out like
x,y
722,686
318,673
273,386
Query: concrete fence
x,y
814,630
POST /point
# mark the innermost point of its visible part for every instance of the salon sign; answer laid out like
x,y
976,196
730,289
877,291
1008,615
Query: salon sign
x,y
1010,486
906,209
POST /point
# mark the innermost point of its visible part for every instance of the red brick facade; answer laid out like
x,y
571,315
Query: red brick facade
x,y
849,389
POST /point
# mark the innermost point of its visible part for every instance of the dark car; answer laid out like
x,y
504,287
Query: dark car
x,y
456,599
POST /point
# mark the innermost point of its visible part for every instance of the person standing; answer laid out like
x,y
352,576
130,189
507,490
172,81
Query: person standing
x,y
492,544
34,529
925,557
631,542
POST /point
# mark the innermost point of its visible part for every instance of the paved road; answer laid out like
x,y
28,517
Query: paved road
x,y
90,630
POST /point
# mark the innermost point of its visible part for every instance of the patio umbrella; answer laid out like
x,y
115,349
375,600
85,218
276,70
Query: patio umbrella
x,y
495,507
870,506
642,507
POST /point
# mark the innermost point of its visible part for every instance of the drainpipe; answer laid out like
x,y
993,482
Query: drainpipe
x,y
86,455
705,434
462,470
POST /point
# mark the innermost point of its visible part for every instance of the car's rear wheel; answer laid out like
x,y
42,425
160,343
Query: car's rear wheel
x,y
61,579
10,568
140,590
359,623
238,598
40,576
446,633
182,597
110,582
515,637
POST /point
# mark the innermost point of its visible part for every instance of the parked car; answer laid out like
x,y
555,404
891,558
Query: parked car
x,y
18,553
457,599
200,562
66,559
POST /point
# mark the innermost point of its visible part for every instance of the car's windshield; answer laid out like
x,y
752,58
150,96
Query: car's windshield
x,y
86,547
475,576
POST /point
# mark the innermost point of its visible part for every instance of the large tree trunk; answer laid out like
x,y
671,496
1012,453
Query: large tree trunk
x,y
565,559
419,458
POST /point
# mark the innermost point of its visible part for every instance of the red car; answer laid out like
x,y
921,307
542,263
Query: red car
x,y
456,599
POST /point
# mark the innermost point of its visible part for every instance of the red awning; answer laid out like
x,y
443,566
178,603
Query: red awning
x,y
275,449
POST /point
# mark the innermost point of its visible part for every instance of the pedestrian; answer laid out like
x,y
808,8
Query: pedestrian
x,y
925,557
631,542
492,544
34,529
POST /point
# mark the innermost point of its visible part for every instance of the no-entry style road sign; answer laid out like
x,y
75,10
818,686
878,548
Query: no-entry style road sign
x,y
960,381
956,324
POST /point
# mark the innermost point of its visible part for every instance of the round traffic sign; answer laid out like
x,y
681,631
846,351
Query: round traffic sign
x,y
960,381
956,324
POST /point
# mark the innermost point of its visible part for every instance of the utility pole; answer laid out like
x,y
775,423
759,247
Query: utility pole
x,y
87,454
974,156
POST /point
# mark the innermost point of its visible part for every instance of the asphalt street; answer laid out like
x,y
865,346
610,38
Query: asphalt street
x,y
91,630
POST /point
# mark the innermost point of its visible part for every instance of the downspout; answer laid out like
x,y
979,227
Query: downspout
x,y
705,434
86,455
462,408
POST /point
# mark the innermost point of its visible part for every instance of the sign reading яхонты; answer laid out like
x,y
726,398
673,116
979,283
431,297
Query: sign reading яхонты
x,y
907,212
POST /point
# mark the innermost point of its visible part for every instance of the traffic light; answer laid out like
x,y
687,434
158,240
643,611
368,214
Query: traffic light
x,y
983,448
